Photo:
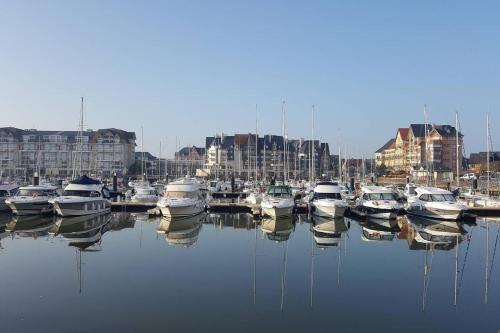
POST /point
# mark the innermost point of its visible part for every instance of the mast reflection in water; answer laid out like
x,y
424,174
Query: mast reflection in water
x,y
227,272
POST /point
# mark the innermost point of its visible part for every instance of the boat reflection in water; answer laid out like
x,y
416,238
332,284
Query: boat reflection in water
x,y
30,226
328,231
429,236
378,230
277,229
424,233
235,221
83,231
181,231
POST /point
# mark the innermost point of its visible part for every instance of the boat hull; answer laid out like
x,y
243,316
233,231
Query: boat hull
x,y
3,205
331,210
30,208
377,213
181,211
89,207
439,214
277,211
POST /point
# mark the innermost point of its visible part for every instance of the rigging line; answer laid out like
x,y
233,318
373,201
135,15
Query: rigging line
x,y
465,259
494,252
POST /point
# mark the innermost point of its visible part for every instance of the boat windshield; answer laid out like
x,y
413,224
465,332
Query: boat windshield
x,y
378,236
179,194
442,197
34,193
145,191
436,238
278,191
379,196
77,193
437,197
3,193
318,195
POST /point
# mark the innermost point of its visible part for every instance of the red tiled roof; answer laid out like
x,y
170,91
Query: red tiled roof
x,y
404,133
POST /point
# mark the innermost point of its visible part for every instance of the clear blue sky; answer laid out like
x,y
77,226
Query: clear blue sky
x,y
194,68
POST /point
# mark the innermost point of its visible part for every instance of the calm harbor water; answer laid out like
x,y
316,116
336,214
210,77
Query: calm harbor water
x,y
229,273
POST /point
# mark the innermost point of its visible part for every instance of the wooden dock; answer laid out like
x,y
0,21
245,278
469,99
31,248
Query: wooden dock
x,y
237,206
132,207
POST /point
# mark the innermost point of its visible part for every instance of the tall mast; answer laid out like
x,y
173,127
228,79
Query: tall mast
x,y
166,159
427,165
488,151
340,165
458,165
313,146
256,142
81,139
284,142
159,163
142,153
248,158
264,177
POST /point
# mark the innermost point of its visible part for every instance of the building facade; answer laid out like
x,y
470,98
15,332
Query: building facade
x,y
423,147
59,153
270,156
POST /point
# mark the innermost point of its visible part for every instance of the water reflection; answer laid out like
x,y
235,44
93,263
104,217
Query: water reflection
x,y
282,264
181,232
236,221
82,232
29,226
277,229
378,230
328,231
424,234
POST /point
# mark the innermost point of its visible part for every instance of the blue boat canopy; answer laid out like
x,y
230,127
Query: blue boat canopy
x,y
85,180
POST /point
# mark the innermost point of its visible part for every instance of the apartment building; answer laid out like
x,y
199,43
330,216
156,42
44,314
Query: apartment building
x,y
57,153
245,155
422,147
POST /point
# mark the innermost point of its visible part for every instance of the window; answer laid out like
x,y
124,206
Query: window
x,y
424,197
381,196
328,196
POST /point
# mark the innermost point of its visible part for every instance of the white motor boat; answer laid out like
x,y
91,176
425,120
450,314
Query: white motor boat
x,y
475,199
409,191
435,203
254,196
277,202
145,194
182,198
6,191
32,200
327,200
377,202
82,196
